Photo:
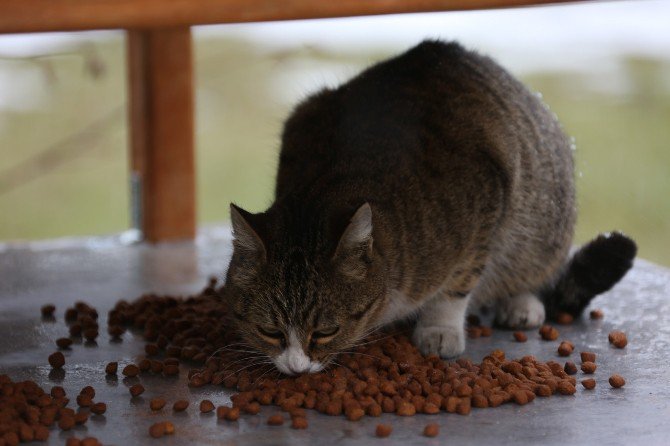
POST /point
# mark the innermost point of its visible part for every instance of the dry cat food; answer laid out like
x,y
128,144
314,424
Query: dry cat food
x,y
136,390
618,339
431,430
589,367
617,381
99,408
157,403
161,428
57,360
589,383
48,310
63,343
276,420
383,430
570,368
130,370
206,406
564,318
588,356
111,368
299,422
180,406
596,314
386,375
520,336
548,333
565,348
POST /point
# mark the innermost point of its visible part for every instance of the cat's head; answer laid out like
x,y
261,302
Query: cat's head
x,y
301,292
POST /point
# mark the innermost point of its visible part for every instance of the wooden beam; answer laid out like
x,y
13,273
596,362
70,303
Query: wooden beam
x,y
160,86
69,15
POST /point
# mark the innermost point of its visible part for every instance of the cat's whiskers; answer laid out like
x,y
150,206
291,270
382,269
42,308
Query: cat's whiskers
x,y
253,364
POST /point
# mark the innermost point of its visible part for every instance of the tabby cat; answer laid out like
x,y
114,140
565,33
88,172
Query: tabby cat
x,y
430,182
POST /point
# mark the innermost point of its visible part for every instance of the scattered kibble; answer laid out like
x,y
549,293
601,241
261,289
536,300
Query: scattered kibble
x,y
596,314
180,405
157,404
520,336
618,339
431,430
130,370
276,420
99,408
617,381
565,348
548,333
589,367
48,310
589,383
136,390
570,368
57,360
63,343
564,318
299,423
206,406
111,368
588,356
383,430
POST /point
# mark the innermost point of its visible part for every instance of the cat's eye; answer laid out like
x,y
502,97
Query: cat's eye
x,y
324,334
272,334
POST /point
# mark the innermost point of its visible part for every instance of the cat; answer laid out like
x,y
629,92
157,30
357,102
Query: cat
x,y
430,182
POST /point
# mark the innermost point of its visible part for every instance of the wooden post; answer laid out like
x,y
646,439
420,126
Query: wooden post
x,y
160,87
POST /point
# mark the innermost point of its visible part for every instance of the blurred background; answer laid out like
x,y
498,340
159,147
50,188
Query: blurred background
x,y
603,68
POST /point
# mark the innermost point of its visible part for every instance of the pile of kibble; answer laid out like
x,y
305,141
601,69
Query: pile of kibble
x,y
386,374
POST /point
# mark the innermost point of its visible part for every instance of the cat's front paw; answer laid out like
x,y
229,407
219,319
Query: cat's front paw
x,y
445,341
521,312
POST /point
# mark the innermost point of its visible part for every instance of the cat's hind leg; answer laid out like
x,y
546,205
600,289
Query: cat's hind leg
x,y
522,311
440,327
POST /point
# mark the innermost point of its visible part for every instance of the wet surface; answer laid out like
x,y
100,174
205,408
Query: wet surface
x,y
102,271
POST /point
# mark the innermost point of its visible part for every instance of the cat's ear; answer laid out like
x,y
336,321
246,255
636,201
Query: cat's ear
x,y
354,249
245,237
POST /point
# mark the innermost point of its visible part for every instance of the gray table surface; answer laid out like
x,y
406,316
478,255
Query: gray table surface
x,y
101,271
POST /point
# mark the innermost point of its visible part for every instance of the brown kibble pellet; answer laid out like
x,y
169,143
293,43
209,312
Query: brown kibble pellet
x,y
564,318
170,369
57,360
596,314
206,406
88,390
617,381
169,427
299,423
73,441
520,336
63,343
589,383
81,417
157,430
233,414
180,406
91,333
66,423
354,414
90,441
383,430
431,430
131,370
157,404
589,367
618,339
111,368
548,333
48,310
41,433
486,332
565,349
405,409
276,420
99,408
565,388
570,368
84,400
588,356
136,390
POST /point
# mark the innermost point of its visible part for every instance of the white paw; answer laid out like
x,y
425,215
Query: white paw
x,y
523,311
445,341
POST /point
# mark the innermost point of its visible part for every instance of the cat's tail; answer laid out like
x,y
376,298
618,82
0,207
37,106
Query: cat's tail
x,y
593,269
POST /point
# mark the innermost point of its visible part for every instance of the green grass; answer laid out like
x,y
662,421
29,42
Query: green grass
x,y
243,95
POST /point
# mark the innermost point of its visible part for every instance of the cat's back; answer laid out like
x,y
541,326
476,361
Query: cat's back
x,y
434,101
